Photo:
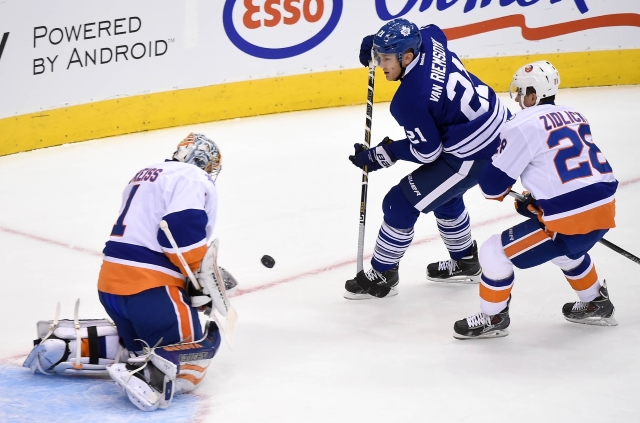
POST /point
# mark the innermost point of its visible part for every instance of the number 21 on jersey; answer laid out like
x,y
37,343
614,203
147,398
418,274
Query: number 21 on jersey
x,y
470,94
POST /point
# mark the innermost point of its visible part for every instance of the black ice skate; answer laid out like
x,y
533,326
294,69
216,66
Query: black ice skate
x,y
599,311
481,326
466,270
372,284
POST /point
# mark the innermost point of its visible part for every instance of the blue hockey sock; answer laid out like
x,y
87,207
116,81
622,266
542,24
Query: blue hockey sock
x,y
390,247
456,234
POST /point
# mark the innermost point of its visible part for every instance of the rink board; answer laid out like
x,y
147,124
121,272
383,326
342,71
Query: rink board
x,y
276,95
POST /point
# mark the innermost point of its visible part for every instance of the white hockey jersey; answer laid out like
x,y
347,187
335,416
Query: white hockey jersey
x,y
552,151
138,256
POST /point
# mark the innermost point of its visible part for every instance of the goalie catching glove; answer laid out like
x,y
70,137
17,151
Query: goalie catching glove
x,y
215,284
203,301
374,158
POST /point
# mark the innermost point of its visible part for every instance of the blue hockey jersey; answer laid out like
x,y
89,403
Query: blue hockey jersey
x,y
443,108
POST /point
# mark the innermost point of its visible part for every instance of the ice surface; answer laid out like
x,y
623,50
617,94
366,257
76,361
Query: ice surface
x,y
302,353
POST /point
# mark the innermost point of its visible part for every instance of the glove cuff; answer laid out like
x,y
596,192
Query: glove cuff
x,y
383,156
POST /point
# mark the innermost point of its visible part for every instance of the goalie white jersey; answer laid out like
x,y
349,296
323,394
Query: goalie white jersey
x,y
138,256
551,149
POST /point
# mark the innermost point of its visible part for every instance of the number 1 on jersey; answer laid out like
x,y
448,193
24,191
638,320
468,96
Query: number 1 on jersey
x,y
119,227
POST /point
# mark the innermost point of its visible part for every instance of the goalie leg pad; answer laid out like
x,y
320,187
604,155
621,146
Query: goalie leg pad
x,y
46,355
56,349
149,385
192,358
150,381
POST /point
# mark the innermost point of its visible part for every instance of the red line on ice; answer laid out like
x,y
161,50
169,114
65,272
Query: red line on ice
x,y
50,241
268,285
334,266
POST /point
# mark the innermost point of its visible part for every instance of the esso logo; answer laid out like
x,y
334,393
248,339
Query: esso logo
x,y
528,69
277,29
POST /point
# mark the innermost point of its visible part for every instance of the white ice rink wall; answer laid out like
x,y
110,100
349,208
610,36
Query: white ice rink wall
x,y
73,70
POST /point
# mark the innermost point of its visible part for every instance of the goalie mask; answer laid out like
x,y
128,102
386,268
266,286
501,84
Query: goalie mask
x,y
541,75
200,151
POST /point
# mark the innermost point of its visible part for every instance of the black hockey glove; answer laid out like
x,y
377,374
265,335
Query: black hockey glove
x,y
527,207
375,158
365,50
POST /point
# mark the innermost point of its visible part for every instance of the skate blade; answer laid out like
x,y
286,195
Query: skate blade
x,y
595,321
489,335
361,295
457,279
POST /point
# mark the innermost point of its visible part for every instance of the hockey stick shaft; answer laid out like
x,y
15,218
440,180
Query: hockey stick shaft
x,y
365,171
619,250
602,241
165,228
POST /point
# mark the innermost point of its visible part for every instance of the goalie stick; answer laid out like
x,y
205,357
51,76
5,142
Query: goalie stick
x,y
602,241
223,306
365,171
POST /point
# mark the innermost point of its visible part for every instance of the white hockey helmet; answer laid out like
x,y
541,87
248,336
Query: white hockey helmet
x,y
198,150
541,75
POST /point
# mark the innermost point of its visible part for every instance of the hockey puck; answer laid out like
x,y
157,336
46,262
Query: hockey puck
x,y
268,261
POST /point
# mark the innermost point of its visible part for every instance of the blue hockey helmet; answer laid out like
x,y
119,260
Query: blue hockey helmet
x,y
396,36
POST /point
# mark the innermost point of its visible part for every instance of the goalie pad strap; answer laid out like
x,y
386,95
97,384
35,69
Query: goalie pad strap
x,y
65,328
65,355
94,346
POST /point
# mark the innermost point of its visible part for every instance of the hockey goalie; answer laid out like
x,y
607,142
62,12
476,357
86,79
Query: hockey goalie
x,y
159,269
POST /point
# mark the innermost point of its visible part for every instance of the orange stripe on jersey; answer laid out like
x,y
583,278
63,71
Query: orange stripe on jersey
x,y
601,217
492,296
193,258
184,314
190,378
120,279
524,244
193,367
586,281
